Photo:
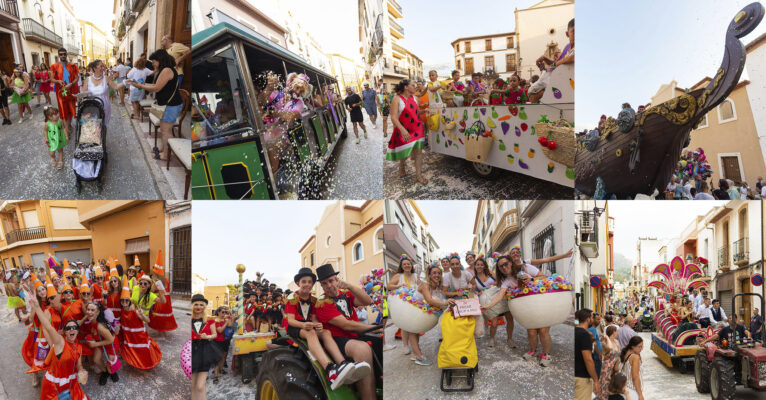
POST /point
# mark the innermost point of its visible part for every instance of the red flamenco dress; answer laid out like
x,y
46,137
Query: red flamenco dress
x,y
398,148
61,374
161,317
35,339
137,348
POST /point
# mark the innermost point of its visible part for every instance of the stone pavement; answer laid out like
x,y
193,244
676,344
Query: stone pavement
x,y
357,169
165,381
26,171
661,382
453,178
502,374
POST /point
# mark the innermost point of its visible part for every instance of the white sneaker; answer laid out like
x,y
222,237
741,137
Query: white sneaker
x,y
357,140
361,370
545,359
407,350
21,120
388,347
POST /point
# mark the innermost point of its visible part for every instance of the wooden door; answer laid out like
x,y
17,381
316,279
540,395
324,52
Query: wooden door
x,y
469,66
182,34
731,169
6,53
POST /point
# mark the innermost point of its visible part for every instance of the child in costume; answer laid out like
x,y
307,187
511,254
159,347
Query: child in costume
x,y
515,94
55,137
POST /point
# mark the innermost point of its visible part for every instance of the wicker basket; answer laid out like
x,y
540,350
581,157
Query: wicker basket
x,y
565,141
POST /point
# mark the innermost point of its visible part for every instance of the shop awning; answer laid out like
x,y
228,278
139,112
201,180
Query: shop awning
x,y
137,246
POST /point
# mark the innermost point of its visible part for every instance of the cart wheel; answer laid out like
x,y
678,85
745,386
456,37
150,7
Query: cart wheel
x,y
469,378
448,376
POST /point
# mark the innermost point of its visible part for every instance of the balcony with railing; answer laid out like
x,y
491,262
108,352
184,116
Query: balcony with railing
x,y
394,8
399,49
740,252
37,32
130,14
508,223
10,8
723,258
137,5
19,235
72,49
396,29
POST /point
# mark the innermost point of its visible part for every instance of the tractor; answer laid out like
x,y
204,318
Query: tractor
x,y
720,367
290,372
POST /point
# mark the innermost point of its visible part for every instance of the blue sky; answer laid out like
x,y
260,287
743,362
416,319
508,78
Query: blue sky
x,y
450,223
627,50
263,235
452,19
660,219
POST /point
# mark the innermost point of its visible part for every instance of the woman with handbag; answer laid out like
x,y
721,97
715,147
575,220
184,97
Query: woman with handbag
x,y
224,328
137,348
100,343
64,371
407,139
168,102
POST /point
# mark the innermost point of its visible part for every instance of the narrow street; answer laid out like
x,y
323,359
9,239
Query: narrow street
x,y
502,374
661,382
358,168
451,178
26,171
165,381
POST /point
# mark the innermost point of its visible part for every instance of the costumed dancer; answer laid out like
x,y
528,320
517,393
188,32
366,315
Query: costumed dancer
x,y
100,340
36,347
136,347
405,277
144,298
205,354
98,285
161,317
64,367
112,296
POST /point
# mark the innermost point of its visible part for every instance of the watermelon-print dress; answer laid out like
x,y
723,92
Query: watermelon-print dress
x,y
398,148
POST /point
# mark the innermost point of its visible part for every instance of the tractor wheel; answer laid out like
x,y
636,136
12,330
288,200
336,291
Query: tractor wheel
x,y
248,367
702,372
723,383
286,374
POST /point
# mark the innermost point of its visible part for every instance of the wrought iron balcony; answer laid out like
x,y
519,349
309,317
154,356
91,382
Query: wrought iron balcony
x,y
130,14
72,49
507,224
723,258
740,252
39,33
19,235
9,7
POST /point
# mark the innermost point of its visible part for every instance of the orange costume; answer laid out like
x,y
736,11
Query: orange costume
x,y
65,98
161,317
138,349
113,303
89,331
72,310
35,339
61,374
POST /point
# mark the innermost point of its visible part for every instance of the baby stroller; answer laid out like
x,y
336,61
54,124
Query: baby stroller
x,y
89,159
457,351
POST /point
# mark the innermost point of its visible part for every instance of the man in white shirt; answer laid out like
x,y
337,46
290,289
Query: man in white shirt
x,y
626,332
717,314
704,314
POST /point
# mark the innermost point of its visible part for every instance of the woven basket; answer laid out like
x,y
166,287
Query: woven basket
x,y
565,141
477,148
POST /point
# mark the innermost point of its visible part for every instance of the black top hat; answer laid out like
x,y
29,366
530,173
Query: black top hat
x,y
198,297
304,272
287,292
325,271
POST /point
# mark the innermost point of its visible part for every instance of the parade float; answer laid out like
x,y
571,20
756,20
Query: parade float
x,y
541,303
636,153
242,149
509,137
676,279
247,347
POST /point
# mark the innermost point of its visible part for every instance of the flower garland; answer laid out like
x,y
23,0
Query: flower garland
x,y
408,295
552,284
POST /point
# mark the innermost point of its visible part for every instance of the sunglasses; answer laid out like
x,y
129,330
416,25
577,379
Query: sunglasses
x,y
67,292
144,283
51,298
71,328
84,293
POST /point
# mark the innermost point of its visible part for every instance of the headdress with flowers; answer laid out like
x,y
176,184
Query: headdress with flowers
x,y
404,257
469,253
454,255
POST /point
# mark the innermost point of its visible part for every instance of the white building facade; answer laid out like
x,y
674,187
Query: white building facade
x,y
496,52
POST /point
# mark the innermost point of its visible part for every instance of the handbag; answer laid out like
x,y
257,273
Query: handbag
x,y
113,367
158,110
228,332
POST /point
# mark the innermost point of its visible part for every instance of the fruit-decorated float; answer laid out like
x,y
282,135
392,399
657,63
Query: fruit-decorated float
x,y
514,131
676,350
637,152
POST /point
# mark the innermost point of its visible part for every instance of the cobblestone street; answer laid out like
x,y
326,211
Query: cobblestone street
x,y
502,374
452,178
165,381
26,171
358,168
